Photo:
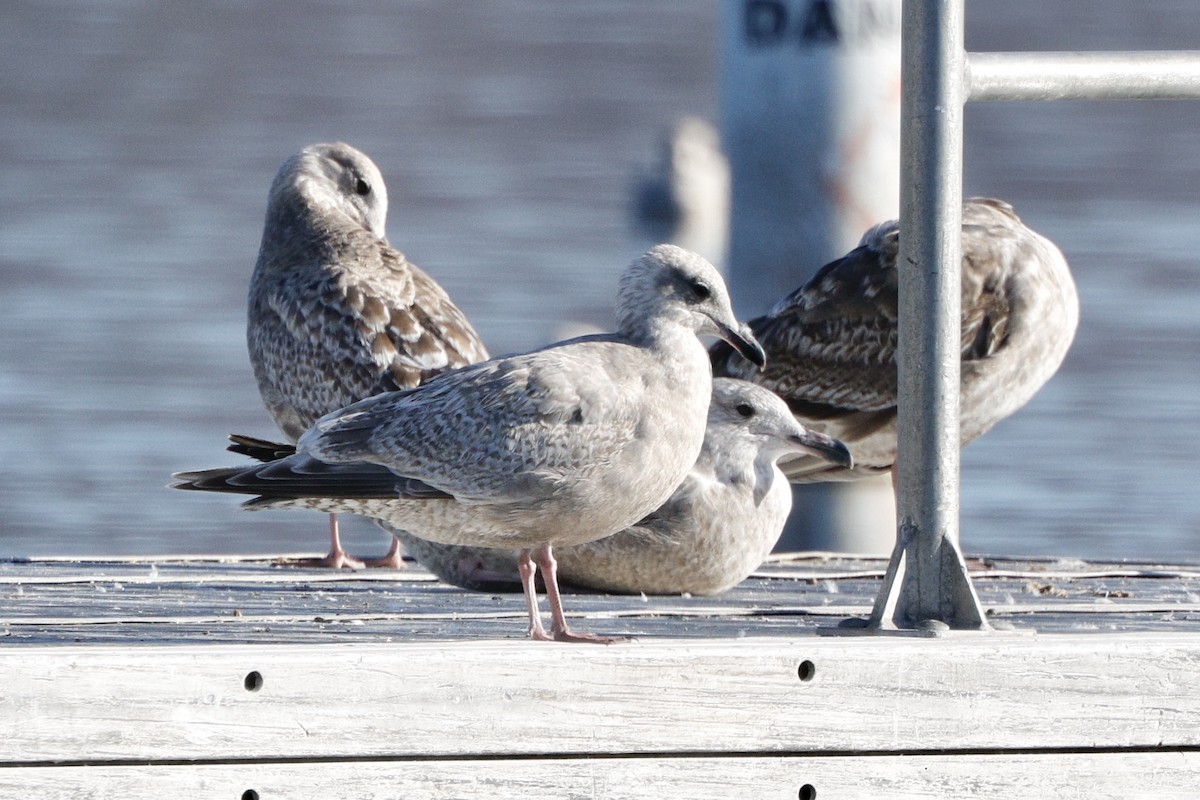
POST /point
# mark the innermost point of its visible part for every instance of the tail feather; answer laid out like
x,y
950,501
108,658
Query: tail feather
x,y
299,476
259,449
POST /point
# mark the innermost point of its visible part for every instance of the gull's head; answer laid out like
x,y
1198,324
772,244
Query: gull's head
x,y
334,179
750,413
670,284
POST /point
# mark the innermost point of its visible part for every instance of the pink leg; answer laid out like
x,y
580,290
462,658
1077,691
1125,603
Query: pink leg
x,y
393,560
338,558
528,571
559,629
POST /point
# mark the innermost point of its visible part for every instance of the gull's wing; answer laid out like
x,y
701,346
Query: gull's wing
x,y
508,429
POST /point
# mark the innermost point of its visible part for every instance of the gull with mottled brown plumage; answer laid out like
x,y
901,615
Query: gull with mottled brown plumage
x,y
336,314
831,345
558,446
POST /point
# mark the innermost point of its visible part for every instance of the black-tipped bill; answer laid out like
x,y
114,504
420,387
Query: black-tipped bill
x,y
744,342
825,448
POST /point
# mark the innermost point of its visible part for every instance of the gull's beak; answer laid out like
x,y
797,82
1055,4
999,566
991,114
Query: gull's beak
x,y
744,342
823,447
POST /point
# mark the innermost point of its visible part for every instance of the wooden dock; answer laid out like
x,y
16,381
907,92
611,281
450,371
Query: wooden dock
x,y
243,679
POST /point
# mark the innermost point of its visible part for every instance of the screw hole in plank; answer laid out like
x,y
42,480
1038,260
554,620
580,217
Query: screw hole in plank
x,y
253,682
249,794
807,792
806,670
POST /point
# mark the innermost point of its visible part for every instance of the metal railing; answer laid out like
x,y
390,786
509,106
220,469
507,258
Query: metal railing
x,y
927,585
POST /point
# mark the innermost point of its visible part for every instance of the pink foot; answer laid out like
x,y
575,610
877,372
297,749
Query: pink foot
x,y
538,634
337,558
569,635
393,560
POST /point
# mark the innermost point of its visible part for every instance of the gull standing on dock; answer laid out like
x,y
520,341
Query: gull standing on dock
x,y
336,314
831,344
559,446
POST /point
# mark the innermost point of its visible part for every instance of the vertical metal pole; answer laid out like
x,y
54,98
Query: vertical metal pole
x,y
927,581
930,276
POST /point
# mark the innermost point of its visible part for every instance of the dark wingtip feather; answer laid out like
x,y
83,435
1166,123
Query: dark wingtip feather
x,y
259,449
206,480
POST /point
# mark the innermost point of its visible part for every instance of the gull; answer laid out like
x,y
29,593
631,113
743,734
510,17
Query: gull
x,y
831,344
559,446
713,531
336,314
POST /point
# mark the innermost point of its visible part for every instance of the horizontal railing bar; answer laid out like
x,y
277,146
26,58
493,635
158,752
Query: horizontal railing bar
x,y
1122,75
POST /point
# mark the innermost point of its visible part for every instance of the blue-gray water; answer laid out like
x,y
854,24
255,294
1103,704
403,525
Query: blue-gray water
x,y
138,139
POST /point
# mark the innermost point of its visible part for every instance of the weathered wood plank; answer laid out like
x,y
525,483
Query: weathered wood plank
x,y
1065,776
253,601
467,699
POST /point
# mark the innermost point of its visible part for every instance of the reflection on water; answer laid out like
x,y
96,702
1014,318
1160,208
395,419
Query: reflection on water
x,y
138,141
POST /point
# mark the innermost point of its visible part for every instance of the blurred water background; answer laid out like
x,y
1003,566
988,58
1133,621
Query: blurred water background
x,y
138,140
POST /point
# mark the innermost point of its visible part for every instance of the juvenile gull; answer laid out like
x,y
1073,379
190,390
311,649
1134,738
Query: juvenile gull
x,y
336,314
831,344
559,446
712,532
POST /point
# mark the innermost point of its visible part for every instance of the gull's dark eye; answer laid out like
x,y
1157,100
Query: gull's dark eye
x,y
700,291
362,187
745,409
